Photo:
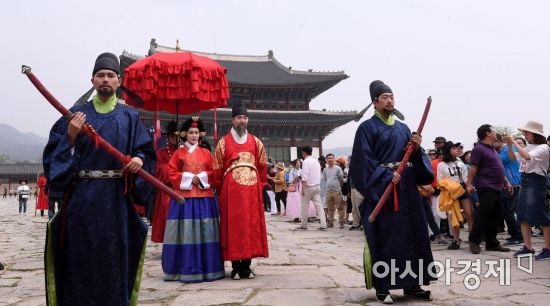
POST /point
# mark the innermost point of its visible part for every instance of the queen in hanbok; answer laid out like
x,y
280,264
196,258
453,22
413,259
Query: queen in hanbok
x,y
191,251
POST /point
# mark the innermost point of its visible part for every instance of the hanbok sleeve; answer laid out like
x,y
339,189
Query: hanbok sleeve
x,y
218,164
58,159
368,176
261,164
142,147
422,167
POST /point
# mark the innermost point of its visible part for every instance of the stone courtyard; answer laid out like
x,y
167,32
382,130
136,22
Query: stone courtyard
x,y
304,268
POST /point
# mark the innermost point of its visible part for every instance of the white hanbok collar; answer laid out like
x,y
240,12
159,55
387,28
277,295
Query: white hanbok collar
x,y
239,139
191,147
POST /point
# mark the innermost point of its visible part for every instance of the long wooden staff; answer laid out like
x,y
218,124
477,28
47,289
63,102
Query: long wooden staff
x,y
89,131
410,149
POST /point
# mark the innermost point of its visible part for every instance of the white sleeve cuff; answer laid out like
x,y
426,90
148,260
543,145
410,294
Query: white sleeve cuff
x,y
186,181
203,177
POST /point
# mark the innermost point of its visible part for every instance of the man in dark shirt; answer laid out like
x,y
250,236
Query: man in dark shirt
x,y
488,172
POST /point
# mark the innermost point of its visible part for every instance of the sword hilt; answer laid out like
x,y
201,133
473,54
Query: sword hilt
x,y
25,69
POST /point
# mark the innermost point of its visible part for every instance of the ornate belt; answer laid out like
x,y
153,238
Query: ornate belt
x,y
97,174
395,165
237,165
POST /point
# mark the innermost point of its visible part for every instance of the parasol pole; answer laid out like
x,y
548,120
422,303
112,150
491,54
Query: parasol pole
x,y
89,131
157,133
409,150
177,121
215,132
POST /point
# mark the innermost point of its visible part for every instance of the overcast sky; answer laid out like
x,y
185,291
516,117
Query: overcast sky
x,y
481,61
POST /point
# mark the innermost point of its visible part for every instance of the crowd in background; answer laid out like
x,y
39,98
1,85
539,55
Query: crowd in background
x,y
452,202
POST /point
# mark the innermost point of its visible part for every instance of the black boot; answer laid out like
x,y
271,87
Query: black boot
x,y
245,271
418,293
236,265
384,297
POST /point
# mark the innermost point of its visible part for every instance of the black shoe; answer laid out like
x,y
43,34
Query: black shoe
x,y
384,297
455,245
497,248
418,293
513,242
355,227
235,275
248,274
474,247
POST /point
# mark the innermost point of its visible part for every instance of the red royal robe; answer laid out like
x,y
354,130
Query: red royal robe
x,y
162,200
241,173
42,200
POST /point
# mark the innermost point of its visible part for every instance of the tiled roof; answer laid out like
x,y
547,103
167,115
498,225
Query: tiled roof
x,y
20,170
255,71
278,117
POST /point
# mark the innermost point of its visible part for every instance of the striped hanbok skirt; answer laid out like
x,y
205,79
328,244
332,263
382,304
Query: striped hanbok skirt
x,y
191,252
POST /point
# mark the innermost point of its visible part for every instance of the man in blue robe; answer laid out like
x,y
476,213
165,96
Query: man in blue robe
x,y
397,238
96,243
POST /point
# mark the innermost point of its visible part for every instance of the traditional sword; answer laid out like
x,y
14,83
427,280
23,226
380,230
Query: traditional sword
x,y
410,148
89,131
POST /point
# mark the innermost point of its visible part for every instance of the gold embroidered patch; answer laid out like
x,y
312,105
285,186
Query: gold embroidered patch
x,y
245,175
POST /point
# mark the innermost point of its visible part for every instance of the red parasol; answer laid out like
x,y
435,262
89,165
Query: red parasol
x,y
178,83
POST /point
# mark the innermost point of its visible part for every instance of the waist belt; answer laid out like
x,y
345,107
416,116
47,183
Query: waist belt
x,y
395,165
97,174
237,165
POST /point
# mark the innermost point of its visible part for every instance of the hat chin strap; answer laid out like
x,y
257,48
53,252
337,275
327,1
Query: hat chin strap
x,y
398,114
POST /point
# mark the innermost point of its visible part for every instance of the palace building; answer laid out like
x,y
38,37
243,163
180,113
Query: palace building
x,y
277,97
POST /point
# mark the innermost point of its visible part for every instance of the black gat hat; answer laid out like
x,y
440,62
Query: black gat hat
x,y
377,88
107,61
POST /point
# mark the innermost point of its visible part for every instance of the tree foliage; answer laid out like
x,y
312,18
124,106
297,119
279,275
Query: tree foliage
x,y
4,158
506,130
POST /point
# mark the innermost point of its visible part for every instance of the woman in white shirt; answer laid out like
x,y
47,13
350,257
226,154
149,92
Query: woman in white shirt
x,y
533,206
452,168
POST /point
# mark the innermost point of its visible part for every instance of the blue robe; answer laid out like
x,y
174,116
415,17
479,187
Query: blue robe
x,y
95,243
401,235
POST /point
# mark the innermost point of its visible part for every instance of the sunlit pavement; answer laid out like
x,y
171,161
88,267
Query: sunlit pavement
x,y
304,268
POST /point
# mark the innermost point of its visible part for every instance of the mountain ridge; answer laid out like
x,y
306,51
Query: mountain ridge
x,y
20,146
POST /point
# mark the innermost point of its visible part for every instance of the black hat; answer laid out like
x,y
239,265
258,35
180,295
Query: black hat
x,y
449,145
377,88
239,109
107,61
192,122
23,180
171,128
440,139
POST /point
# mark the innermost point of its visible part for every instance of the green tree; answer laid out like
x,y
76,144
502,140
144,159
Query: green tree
x,y
4,158
506,130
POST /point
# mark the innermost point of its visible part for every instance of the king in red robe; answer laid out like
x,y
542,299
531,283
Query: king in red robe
x,y
240,167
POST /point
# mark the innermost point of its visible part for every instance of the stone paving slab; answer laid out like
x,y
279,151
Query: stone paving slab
x,y
304,268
